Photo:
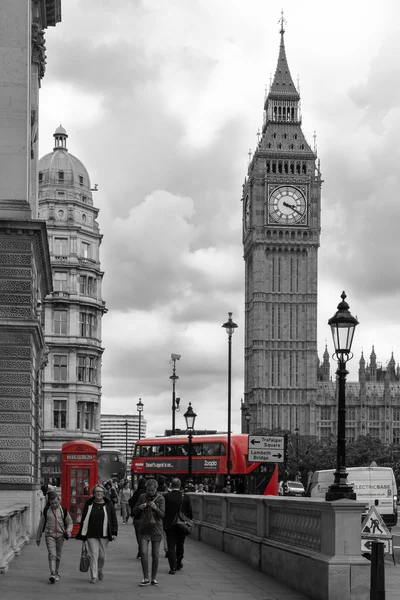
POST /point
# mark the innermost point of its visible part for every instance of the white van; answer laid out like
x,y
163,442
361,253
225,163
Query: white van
x,y
376,486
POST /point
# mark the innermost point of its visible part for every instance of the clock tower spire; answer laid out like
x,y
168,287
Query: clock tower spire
x,y
281,230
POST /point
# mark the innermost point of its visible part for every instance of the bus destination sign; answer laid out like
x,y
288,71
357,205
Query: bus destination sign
x,y
176,464
266,448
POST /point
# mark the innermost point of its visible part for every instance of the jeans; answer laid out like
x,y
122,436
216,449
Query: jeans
x,y
97,548
144,557
176,541
54,548
136,525
125,512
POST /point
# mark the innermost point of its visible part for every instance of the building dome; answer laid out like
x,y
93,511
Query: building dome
x,y
61,168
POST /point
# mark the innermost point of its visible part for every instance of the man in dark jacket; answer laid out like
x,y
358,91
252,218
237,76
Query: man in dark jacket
x,y
175,537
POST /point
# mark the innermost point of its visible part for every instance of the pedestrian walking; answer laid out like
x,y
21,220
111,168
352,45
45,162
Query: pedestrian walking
x,y
141,488
124,495
151,508
163,489
99,526
56,524
174,501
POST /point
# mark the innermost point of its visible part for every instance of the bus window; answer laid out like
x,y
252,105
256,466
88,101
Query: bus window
x,y
102,458
114,458
213,449
197,450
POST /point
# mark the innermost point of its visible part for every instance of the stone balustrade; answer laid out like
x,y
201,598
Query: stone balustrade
x,y
311,545
14,533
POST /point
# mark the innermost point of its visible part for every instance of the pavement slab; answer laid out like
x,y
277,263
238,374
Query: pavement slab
x,y
207,574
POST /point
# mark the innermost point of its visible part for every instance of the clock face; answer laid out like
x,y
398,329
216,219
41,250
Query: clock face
x,y
247,213
287,206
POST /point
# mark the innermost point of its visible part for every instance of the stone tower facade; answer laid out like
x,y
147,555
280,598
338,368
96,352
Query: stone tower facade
x,y
25,273
74,310
281,236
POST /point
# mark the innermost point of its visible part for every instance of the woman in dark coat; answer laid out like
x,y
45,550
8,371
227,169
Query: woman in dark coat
x,y
99,526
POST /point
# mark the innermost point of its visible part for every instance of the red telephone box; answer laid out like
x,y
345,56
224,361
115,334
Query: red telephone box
x,y
79,473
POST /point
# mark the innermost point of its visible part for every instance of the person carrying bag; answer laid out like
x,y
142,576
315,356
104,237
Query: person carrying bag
x,y
177,523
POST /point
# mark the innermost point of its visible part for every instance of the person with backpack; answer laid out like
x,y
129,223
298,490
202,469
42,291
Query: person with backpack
x,y
151,509
56,524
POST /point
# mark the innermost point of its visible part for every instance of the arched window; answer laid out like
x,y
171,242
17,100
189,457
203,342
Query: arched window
x,y
292,168
268,166
298,168
286,167
274,167
279,167
279,146
304,169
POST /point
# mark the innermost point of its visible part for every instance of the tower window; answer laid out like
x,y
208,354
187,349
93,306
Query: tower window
x,y
268,166
279,146
291,146
80,180
274,167
274,135
304,169
84,199
40,176
60,322
61,176
60,414
60,281
295,136
279,167
292,168
60,367
302,147
284,136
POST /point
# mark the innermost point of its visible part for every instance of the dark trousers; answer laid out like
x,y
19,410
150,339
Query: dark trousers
x,y
175,541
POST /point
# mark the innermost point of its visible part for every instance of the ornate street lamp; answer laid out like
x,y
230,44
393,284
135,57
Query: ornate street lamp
x,y
190,418
343,325
230,327
247,416
140,407
174,377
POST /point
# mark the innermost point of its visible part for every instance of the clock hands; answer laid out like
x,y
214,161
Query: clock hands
x,y
293,208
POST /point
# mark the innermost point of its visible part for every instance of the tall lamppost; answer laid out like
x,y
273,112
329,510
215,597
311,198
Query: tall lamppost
x,y
140,407
343,325
230,327
247,416
190,418
174,377
126,446
297,452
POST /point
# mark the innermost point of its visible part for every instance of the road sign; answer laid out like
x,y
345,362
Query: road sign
x,y
373,526
366,545
266,448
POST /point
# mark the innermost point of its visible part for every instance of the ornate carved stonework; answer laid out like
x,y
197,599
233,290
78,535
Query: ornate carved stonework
x,y
38,49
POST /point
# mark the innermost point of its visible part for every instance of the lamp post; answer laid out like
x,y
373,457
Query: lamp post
x,y
230,327
174,377
126,446
297,452
140,407
247,416
190,418
343,325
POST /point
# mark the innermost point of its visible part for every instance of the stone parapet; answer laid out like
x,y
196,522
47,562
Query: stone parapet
x,y
312,545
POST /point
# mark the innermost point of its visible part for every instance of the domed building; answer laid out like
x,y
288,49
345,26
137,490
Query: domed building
x,y
73,312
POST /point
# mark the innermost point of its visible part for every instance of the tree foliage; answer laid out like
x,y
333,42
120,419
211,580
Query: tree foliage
x,y
306,453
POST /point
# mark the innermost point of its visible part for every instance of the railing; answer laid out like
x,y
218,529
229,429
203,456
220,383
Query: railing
x,y
312,545
14,533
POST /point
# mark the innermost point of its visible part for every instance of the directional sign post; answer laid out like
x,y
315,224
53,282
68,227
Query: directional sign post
x,y
266,448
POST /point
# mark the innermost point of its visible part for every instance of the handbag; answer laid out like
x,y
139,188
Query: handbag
x,y
182,521
84,563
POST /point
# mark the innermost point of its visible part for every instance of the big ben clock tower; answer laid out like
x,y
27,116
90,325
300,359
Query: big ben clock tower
x,y
281,231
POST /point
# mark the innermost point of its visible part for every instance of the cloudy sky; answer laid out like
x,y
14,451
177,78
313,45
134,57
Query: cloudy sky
x,y
162,100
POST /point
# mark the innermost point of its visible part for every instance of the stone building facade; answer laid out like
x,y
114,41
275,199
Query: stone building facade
x,y
73,311
25,273
372,403
281,236
286,386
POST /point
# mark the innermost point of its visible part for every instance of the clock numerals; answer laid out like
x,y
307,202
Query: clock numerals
x,y
287,206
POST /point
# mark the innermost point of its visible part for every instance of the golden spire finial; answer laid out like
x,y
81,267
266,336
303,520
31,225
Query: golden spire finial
x,y
282,21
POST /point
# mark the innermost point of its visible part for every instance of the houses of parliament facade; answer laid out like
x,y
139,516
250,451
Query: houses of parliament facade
x,y
286,385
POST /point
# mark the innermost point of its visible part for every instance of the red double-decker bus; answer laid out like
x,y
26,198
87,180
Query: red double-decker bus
x,y
168,456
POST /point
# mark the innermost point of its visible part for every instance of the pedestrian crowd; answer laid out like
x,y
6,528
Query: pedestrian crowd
x,y
160,512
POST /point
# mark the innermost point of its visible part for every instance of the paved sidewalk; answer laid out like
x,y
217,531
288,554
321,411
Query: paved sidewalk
x,y
207,574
